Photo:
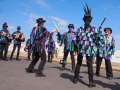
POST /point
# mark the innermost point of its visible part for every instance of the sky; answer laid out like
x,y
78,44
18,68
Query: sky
x,y
25,12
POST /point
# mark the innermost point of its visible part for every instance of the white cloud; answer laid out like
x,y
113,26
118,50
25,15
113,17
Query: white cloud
x,y
43,3
22,13
107,6
11,27
32,15
31,22
64,22
24,4
63,28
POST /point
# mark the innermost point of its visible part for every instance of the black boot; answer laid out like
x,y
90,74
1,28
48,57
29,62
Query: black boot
x,y
75,79
40,75
28,71
91,83
11,55
28,57
17,57
73,66
63,67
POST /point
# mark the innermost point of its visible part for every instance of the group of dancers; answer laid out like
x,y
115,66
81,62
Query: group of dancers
x,y
80,43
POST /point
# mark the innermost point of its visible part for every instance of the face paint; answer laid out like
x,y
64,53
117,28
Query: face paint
x,y
70,29
5,28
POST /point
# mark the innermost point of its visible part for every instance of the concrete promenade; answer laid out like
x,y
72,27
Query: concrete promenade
x,y
115,65
13,77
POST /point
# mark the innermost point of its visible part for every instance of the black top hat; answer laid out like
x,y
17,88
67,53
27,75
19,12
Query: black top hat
x,y
40,20
109,29
5,24
18,27
71,25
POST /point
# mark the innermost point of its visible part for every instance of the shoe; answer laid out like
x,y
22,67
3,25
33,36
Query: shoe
x,y
75,81
5,59
40,75
96,75
29,71
110,78
17,59
62,69
92,84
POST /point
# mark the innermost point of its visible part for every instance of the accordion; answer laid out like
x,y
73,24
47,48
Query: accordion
x,y
9,36
20,36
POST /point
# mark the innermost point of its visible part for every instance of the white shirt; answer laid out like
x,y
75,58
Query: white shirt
x,y
56,44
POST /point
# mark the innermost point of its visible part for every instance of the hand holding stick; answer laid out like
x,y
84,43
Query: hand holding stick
x,y
100,26
56,26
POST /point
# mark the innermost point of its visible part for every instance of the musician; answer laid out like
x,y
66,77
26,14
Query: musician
x,y
18,38
106,50
41,35
51,48
86,37
4,41
67,39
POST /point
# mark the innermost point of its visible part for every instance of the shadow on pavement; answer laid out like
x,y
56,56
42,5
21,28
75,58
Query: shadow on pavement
x,y
71,78
110,86
60,68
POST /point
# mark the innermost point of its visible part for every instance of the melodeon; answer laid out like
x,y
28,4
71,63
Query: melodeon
x,y
20,36
9,36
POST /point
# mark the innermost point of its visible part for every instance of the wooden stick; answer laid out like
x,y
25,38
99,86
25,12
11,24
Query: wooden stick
x,y
58,25
103,21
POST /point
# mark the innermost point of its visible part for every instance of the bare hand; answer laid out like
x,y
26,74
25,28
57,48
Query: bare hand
x,y
3,33
112,43
100,27
57,30
53,31
74,53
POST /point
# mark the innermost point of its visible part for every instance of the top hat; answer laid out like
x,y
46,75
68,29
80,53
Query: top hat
x,y
109,29
5,24
87,14
18,27
71,25
40,20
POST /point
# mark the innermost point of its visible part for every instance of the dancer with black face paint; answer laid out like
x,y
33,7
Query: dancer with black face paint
x,y
86,37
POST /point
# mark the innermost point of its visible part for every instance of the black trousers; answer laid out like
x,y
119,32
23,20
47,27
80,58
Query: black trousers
x,y
4,45
72,59
109,72
34,61
89,64
50,56
18,50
